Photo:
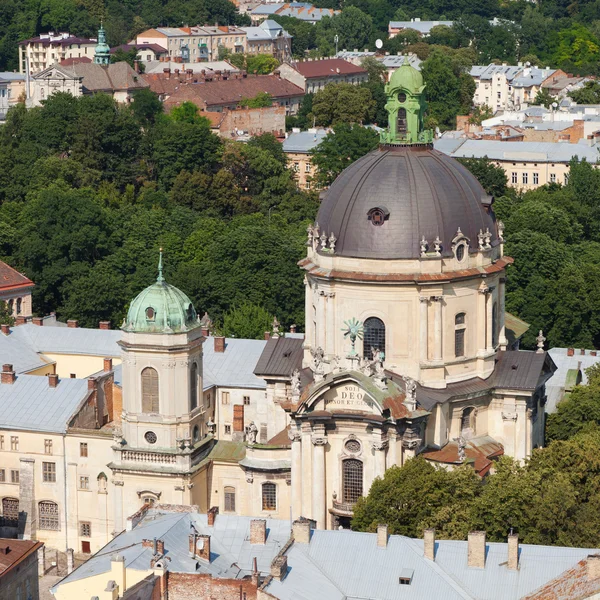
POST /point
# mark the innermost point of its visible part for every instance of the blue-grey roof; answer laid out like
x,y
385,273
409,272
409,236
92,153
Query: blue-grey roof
x,y
231,551
10,76
532,76
423,27
18,352
349,565
69,340
31,404
303,141
486,72
267,30
555,386
349,54
235,366
267,9
555,152
393,61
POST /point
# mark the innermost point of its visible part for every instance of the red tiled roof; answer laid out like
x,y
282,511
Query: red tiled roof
x,y
327,67
396,406
572,583
11,279
281,439
479,454
127,47
74,60
18,550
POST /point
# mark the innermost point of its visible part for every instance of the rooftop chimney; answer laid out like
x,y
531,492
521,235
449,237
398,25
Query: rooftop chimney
x,y
205,332
104,325
39,321
593,566
92,383
108,365
73,323
382,535
118,572
301,531
476,550
5,329
211,514
570,351
279,567
20,320
200,546
267,335
429,544
293,328
7,375
52,380
219,343
513,551
258,531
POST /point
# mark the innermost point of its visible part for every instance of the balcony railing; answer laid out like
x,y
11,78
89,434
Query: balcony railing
x,y
147,457
344,507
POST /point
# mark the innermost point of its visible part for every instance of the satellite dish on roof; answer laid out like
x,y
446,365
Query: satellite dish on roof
x,y
378,44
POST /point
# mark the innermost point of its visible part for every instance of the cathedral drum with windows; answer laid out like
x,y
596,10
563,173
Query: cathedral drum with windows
x,y
405,350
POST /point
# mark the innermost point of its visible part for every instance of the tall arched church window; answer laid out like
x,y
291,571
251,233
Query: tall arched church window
x,y
373,337
467,423
352,480
460,328
495,324
19,303
269,496
10,512
150,390
401,124
194,387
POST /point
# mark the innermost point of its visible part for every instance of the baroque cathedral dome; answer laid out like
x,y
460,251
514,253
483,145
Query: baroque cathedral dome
x,y
387,203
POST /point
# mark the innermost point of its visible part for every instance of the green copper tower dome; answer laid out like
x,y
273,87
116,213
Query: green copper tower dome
x,y
406,108
102,51
161,308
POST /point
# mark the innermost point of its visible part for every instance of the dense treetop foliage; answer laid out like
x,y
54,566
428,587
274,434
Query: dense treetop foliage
x,y
89,190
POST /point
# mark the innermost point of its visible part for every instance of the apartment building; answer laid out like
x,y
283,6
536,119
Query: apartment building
x,y
49,48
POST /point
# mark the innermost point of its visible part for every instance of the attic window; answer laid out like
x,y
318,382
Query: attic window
x,y
378,216
150,314
406,576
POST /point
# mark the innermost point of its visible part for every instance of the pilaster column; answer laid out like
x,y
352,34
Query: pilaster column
x,y
489,305
330,335
392,453
502,341
306,444
118,496
423,328
308,312
321,325
296,473
379,446
482,318
319,441
437,327
27,502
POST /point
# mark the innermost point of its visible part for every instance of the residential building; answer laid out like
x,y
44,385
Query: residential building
x,y
196,44
19,569
48,48
224,92
391,62
168,69
297,147
12,91
304,11
422,27
147,53
529,81
15,290
269,38
314,75
528,165
243,123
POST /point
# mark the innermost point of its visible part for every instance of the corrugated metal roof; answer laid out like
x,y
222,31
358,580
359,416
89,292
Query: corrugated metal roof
x,y
344,564
31,404
16,351
281,357
303,141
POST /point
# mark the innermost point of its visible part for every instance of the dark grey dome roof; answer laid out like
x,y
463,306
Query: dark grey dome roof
x,y
425,192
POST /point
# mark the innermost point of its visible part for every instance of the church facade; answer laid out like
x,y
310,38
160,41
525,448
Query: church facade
x,y
405,353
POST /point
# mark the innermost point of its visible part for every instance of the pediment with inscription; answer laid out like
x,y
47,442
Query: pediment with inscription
x,y
346,397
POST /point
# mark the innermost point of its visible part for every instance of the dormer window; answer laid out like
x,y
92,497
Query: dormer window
x,y
150,314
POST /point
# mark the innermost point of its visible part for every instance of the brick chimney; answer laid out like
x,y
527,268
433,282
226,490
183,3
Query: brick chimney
x,y
205,331
104,324
219,343
20,320
92,383
582,352
39,321
476,549
52,380
279,567
8,375
593,567
382,535
108,365
200,546
292,328
570,351
301,531
212,514
258,531
73,323
5,329
513,551
267,335
593,353
429,544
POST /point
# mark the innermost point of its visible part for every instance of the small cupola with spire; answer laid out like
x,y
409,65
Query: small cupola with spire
x,y
102,51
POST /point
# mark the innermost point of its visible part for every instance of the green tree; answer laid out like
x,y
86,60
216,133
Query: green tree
x,y
186,112
247,321
340,148
588,94
342,103
261,100
146,106
491,177
129,56
261,64
353,27
6,315
480,114
543,98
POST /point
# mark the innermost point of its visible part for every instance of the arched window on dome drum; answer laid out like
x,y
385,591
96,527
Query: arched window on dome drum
x,y
495,324
194,387
460,328
352,480
401,121
150,390
373,337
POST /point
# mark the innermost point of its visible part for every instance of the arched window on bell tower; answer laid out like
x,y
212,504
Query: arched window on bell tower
x,y
401,125
150,402
373,337
352,480
194,387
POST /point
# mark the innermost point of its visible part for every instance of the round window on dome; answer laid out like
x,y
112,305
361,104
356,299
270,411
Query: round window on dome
x,y
401,97
352,446
150,314
150,437
460,252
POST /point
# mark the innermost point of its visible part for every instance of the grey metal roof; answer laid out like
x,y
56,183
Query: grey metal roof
x,y
425,193
10,76
69,340
234,367
303,142
280,357
19,353
231,551
487,72
557,152
555,387
394,61
532,76
267,30
31,404
350,565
